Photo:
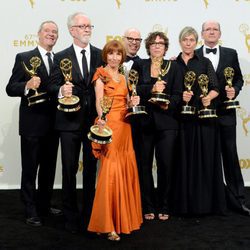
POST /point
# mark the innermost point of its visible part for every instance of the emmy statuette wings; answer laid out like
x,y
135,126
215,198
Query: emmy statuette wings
x,y
35,62
71,103
229,75
132,82
203,81
159,97
103,135
189,80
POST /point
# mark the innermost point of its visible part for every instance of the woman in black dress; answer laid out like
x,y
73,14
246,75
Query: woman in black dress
x,y
199,187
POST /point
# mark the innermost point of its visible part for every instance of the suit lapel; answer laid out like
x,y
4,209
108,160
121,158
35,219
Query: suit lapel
x,y
221,60
42,68
200,51
75,65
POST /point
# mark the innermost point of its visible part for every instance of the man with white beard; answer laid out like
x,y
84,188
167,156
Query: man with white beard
x,y
74,124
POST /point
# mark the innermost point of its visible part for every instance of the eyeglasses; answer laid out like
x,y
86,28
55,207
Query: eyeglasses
x,y
131,39
160,44
84,27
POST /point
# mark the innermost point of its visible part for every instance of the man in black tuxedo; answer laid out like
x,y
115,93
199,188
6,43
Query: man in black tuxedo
x,y
221,58
39,141
73,127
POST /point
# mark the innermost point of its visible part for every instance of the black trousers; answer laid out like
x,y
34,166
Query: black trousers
x,y
71,146
39,155
163,144
231,166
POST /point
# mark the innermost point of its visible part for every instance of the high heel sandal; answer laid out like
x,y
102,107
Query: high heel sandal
x,y
149,216
113,236
163,217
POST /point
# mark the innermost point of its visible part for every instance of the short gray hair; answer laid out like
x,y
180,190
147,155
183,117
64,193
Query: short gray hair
x,y
71,18
45,22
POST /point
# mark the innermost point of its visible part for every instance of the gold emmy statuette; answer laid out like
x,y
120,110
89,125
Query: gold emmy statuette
x,y
132,82
203,83
229,75
188,82
104,135
35,62
71,103
159,97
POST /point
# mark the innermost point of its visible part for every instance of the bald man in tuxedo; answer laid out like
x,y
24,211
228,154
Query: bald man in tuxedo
x,y
221,58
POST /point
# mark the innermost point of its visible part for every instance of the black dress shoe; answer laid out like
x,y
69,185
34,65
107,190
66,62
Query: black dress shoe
x,y
55,211
245,210
34,221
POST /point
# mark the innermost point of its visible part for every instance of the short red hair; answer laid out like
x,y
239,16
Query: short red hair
x,y
112,46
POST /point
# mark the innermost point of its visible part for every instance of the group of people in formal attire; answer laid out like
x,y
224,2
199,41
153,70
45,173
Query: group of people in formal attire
x,y
191,153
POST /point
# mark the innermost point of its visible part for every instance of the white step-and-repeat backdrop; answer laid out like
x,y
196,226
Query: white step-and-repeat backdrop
x,y
20,21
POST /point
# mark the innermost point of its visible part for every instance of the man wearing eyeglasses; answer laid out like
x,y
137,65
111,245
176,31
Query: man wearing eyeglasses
x,y
132,43
222,58
73,127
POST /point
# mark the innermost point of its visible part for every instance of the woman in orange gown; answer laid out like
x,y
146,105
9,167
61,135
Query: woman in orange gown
x,y
117,205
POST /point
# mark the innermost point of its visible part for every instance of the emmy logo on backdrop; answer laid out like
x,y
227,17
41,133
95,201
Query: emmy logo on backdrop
x,y
102,135
159,97
189,79
71,103
132,82
32,3
245,117
229,75
206,3
118,3
203,81
35,62
244,28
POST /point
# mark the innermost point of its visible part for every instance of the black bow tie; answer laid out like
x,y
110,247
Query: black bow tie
x,y
211,50
134,58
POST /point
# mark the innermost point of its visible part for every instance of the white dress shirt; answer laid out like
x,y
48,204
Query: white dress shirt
x,y
214,58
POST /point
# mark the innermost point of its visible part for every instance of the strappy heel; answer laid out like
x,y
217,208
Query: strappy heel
x,y
113,236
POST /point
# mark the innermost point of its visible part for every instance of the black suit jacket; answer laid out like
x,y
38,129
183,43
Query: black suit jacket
x,y
162,119
228,58
38,119
83,88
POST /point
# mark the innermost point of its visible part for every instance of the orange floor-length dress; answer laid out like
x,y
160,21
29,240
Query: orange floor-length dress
x,y
117,203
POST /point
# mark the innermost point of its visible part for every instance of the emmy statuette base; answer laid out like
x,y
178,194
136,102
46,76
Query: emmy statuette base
x,y
232,104
101,138
207,113
136,110
69,104
37,98
159,98
188,110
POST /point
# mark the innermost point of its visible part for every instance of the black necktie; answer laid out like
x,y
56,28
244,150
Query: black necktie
x,y
211,50
134,58
49,61
84,65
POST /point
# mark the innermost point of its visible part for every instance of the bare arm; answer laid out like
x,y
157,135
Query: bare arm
x,y
99,90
